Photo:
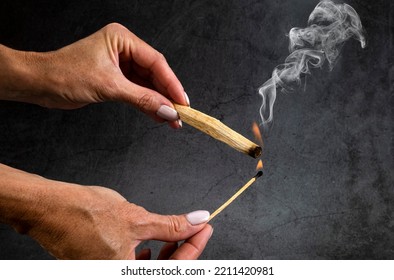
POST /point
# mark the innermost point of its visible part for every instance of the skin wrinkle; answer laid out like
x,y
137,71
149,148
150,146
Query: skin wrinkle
x,y
114,46
145,102
175,225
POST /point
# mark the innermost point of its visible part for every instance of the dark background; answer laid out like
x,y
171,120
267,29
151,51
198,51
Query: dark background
x,y
327,191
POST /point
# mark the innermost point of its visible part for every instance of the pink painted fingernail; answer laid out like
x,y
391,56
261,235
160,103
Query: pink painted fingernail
x,y
197,217
180,122
167,113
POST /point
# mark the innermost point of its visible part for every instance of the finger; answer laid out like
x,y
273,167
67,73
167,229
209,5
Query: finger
x,y
144,254
192,248
160,72
147,100
167,250
176,124
148,77
173,228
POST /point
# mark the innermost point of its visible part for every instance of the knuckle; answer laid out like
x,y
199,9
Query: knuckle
x,y
114,26
175,224
161,56
145,102
137,216
135,209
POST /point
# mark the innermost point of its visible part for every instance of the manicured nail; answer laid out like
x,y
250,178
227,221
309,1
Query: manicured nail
x,y
197,217
187,99
167,113
180,122
211,233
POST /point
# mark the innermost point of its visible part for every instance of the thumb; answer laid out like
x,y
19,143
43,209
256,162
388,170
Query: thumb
x,y
175,228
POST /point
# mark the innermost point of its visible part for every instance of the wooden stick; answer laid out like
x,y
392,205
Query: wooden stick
x,y
217,130
241,190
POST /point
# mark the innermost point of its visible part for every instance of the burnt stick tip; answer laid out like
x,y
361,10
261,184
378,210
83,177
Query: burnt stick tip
x,y
255,152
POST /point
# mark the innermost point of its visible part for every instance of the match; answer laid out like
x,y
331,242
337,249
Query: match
x,y
241,190
217,130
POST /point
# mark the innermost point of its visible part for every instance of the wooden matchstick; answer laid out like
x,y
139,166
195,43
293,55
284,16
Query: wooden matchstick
x,y
217,130
241,190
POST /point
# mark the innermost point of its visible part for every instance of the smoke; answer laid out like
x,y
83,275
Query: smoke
x,y
329,26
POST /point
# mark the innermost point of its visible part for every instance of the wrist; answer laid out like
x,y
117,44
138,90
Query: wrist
x,y
21,198
25,76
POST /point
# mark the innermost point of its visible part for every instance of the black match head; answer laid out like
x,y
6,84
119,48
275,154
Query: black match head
x,y
259,174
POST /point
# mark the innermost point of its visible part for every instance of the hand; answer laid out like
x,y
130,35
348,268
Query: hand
x,y
98,223
112,64
81,222
189,250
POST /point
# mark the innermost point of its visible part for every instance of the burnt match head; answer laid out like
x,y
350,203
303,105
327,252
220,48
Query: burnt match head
x,y
259,174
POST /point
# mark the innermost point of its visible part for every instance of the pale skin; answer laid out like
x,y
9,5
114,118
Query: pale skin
x,y
90,222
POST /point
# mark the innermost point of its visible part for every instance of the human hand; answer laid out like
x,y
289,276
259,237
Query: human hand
x,y
98,223
112,64
189,250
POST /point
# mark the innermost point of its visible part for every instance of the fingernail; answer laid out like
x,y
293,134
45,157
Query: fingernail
x,y
197,217
180,122
167,113
187,99
211,233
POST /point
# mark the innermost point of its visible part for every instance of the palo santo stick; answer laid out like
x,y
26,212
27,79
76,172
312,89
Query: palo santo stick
x,y
241,190
217,130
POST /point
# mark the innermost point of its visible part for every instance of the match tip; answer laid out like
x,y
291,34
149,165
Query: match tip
x,y
259,174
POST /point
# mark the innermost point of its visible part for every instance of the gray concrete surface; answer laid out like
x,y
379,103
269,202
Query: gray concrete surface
x,y
327,189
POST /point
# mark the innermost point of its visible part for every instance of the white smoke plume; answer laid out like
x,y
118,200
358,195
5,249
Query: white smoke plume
x,y
329,26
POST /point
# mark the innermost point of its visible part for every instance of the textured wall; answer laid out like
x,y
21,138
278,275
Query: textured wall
x,y
327,191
